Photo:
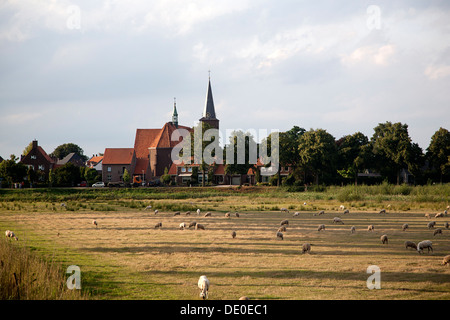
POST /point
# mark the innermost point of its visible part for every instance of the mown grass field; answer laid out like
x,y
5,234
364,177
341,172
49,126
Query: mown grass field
x,y
125,257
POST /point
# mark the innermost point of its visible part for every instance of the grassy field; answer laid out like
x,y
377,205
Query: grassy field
x,y
125,257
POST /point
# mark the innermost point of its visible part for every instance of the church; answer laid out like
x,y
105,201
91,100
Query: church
x,y
151,154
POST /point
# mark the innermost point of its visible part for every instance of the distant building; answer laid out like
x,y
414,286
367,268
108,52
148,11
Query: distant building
x,y
39,160
73,158
115,161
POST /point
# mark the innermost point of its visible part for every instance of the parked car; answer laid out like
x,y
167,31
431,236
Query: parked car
x,y
82,184
98,184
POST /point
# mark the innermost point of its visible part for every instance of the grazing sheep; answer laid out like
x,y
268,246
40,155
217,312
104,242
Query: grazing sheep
x,y
280,235
284,210
296,214
370,228
437,231
282,229
10,234
445,212
405,226
384,239
431,224
427,215
352,229
410,244
148,207
203,285
199,226
439,215
321,227
321,212
346,211
237,215
227,215
156,211
306,247
188,213
63,204
233,234
424,244
341,207
198,211
182,226
284,222
177,213
337,220
382,211
94,222
244,298
158,225
446,260
192,224
446,225
208,214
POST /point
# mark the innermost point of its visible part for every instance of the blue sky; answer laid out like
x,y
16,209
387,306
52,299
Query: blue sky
x,y
91,73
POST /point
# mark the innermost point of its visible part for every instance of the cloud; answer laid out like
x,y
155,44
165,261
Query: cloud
x,y
381,56
437,72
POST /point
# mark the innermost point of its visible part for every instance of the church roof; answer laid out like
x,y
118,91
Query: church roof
x,y
209,111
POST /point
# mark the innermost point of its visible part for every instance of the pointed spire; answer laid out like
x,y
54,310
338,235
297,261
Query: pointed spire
x,y
175,113
209,112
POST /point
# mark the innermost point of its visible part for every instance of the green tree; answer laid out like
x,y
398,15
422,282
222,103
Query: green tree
x,y
91,175
352,155
318,152
126,176
438,152
27,148
12,171
63,150
165,178
67,175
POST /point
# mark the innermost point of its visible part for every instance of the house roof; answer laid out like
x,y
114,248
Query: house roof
x,y
142,164
118,156
46,156
95,159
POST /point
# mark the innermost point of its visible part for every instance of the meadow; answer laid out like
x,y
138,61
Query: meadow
x,y
125,257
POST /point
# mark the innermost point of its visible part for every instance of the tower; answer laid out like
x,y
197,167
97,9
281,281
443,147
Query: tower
x,y
209,112
175,113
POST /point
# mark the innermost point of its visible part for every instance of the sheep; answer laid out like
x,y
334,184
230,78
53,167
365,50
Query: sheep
x,y
439,215
382,211
306,247
63,205
431,224
346,211
244,298
198,211
203,285
284,222
158,225
427,215
296,214
321,227
446,225
227,215
321,212
199,226
177,213
233,234
280,235
341,207
148,207
405,226
446,260
337,220
237,214
410,244
352,229
437,231
384,239
156,211
370,228
188,213
424,244
192,224
10,234
182,226
282,229
94,222
284,210
208,214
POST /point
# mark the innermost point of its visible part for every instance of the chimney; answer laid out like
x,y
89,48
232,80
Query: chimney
x,y
35,144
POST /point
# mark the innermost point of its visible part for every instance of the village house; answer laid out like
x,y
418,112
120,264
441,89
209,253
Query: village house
x,y
39,160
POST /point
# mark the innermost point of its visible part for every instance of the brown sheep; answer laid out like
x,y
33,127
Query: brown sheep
x,y
306,247
199,226
384,239
321,227
410,244
233,234
404,227
280,235
437,231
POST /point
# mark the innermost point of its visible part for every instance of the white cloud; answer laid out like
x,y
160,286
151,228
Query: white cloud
x,y
381,56
437,72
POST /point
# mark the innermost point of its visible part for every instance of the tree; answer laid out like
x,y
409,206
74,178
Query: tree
x,y
317,150
352,154
27,149
67,175
12,171
63,150
438,152
91,175
126,176
165,178
392,148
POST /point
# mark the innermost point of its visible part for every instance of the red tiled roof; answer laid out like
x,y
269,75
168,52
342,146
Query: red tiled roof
x,y
142,164
96,159
118,156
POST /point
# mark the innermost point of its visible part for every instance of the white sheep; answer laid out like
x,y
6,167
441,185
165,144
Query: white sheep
x,y
203,285
341,207
410,244
296,214
192,224
156,211
306,247
439,215
282,229
321,212
284,222
158,225
148,207
321,227
280,235
427,215
384,239
446,260
228,215
198,211
337,220
183,226
382,211
370,228
424,244
284,210
10,234
208,214
352,229
346,211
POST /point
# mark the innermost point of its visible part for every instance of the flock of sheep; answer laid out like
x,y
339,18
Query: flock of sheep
x,y
203,283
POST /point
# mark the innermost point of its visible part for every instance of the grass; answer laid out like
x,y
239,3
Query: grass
x,y
126,258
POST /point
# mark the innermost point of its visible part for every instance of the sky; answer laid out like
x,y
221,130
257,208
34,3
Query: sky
x,y
92,72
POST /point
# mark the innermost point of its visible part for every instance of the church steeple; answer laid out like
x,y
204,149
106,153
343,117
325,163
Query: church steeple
x,y
175,113
209,112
